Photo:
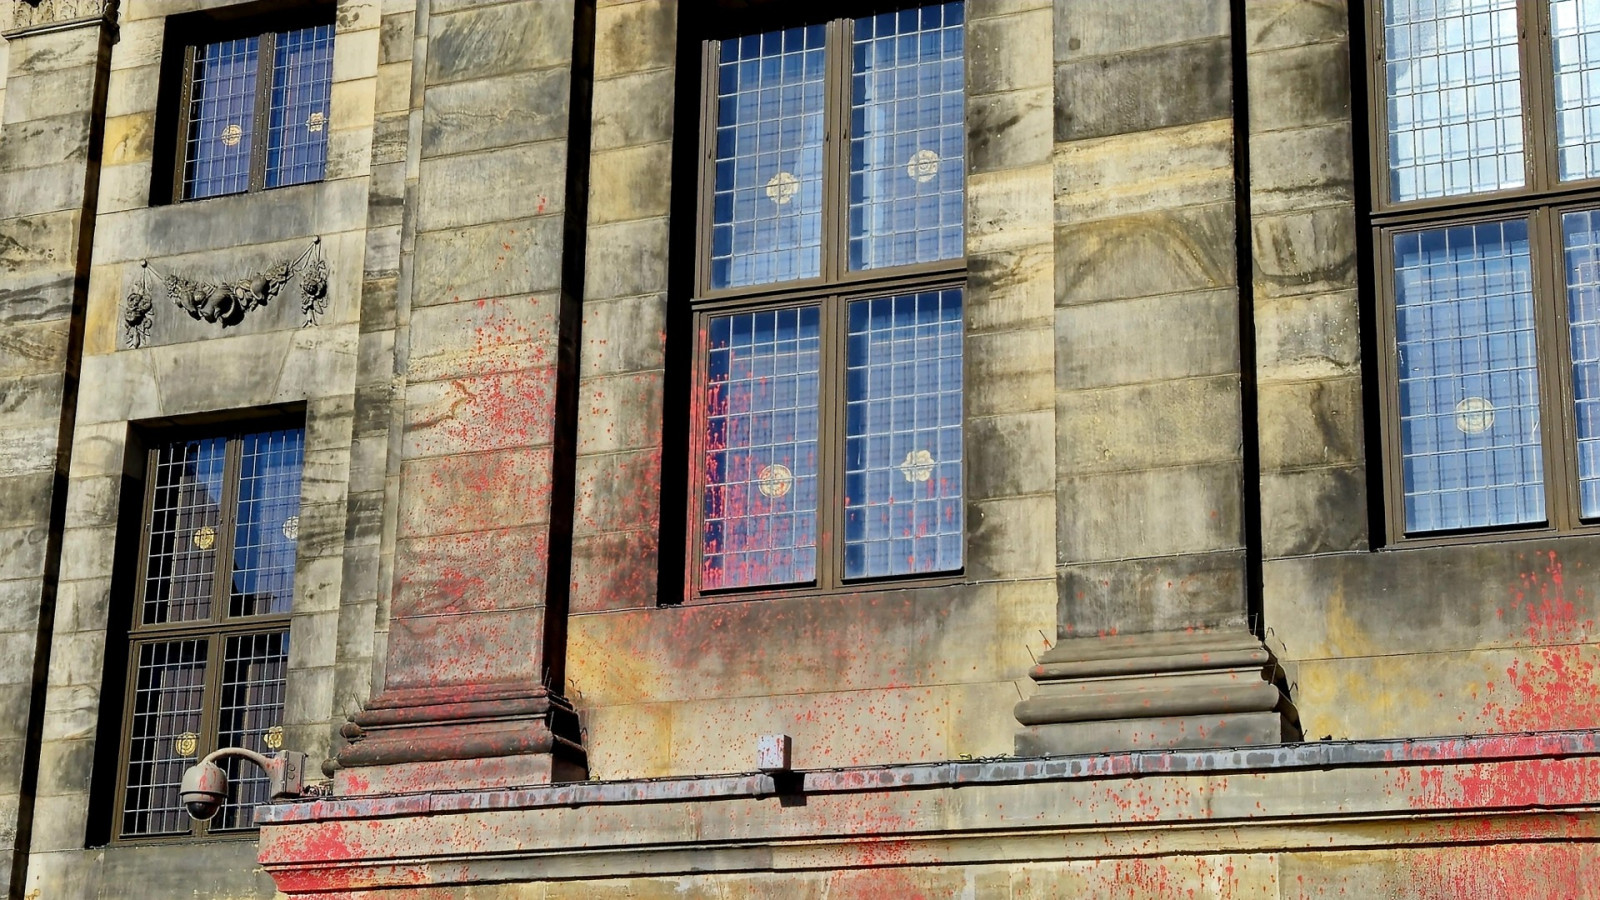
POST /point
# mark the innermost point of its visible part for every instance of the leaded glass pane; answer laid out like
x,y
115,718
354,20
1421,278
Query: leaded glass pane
x,y
759,510
1580,233
254,667
1454,97
221,118
907,165
297,133
185,519
168,696
268,528
767,200
1469,380
903,451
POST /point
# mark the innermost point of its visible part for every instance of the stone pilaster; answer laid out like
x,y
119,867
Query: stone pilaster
x,y
486,350
57,54
1155,647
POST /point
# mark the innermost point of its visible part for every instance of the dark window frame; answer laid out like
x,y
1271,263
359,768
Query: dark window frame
x,y
185,34
1541,201
832,290
213,631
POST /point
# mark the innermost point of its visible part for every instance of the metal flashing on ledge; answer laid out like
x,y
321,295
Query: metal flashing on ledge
x,y
999,770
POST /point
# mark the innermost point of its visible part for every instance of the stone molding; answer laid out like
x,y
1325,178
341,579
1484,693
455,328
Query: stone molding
x,y
405,730
43,16
1162,690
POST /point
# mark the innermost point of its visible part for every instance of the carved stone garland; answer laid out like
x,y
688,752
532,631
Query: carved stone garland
x,y
226,303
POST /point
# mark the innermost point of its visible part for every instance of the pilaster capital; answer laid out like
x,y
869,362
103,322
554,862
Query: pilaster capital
x,y
38,16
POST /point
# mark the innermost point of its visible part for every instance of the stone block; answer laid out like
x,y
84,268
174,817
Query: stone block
x,y
22,551
618,491
1143,172
1008,130
473,491
19,605
1010,290
71,713
1146,426
508,333
1302,168
317,582
93,502
58,822
29,401
616,570
47,94
624,334
630,183
133,89
484,648
1159,252
1009,372
635,37
471,572
495,112
1161,512
311,640
38,250
1304,253
124,188
1308,337
1275,24
1299,86
54,140
1011,455
1166,733
628,741
1086,28
77,658
1166,593
1321,510
620,412
1008,209
53,51
396,36
472,189
355,53
626,259
1008,53
1111,344
349,153
475,413
25,500
1311,423
67,763
1163,87
26,449
495,40
1008,538
633,109
41,296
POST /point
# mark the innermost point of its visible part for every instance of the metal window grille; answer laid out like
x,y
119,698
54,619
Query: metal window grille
x,y
210,635
257,112
1489,319
828,437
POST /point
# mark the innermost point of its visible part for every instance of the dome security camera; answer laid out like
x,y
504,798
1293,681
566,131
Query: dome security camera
x,y
205,787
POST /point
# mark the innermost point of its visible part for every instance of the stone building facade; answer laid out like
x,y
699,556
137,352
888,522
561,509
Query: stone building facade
x,y
1196,638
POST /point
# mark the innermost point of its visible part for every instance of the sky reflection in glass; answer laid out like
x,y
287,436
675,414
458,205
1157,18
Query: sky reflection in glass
x,y
903,451
767,202
907,164
1454,95
1469,383
759,509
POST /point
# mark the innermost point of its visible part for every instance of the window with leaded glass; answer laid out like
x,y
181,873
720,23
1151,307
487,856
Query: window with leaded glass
x,y
254,109
829,386
1486,227
209,638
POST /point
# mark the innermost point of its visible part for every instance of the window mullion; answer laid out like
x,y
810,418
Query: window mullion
x,y
1555,356
835,144
266,59
710,53
1538,91
209,713
227,525
830,445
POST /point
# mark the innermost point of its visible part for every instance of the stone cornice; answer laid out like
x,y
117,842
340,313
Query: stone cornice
x,y
41,16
